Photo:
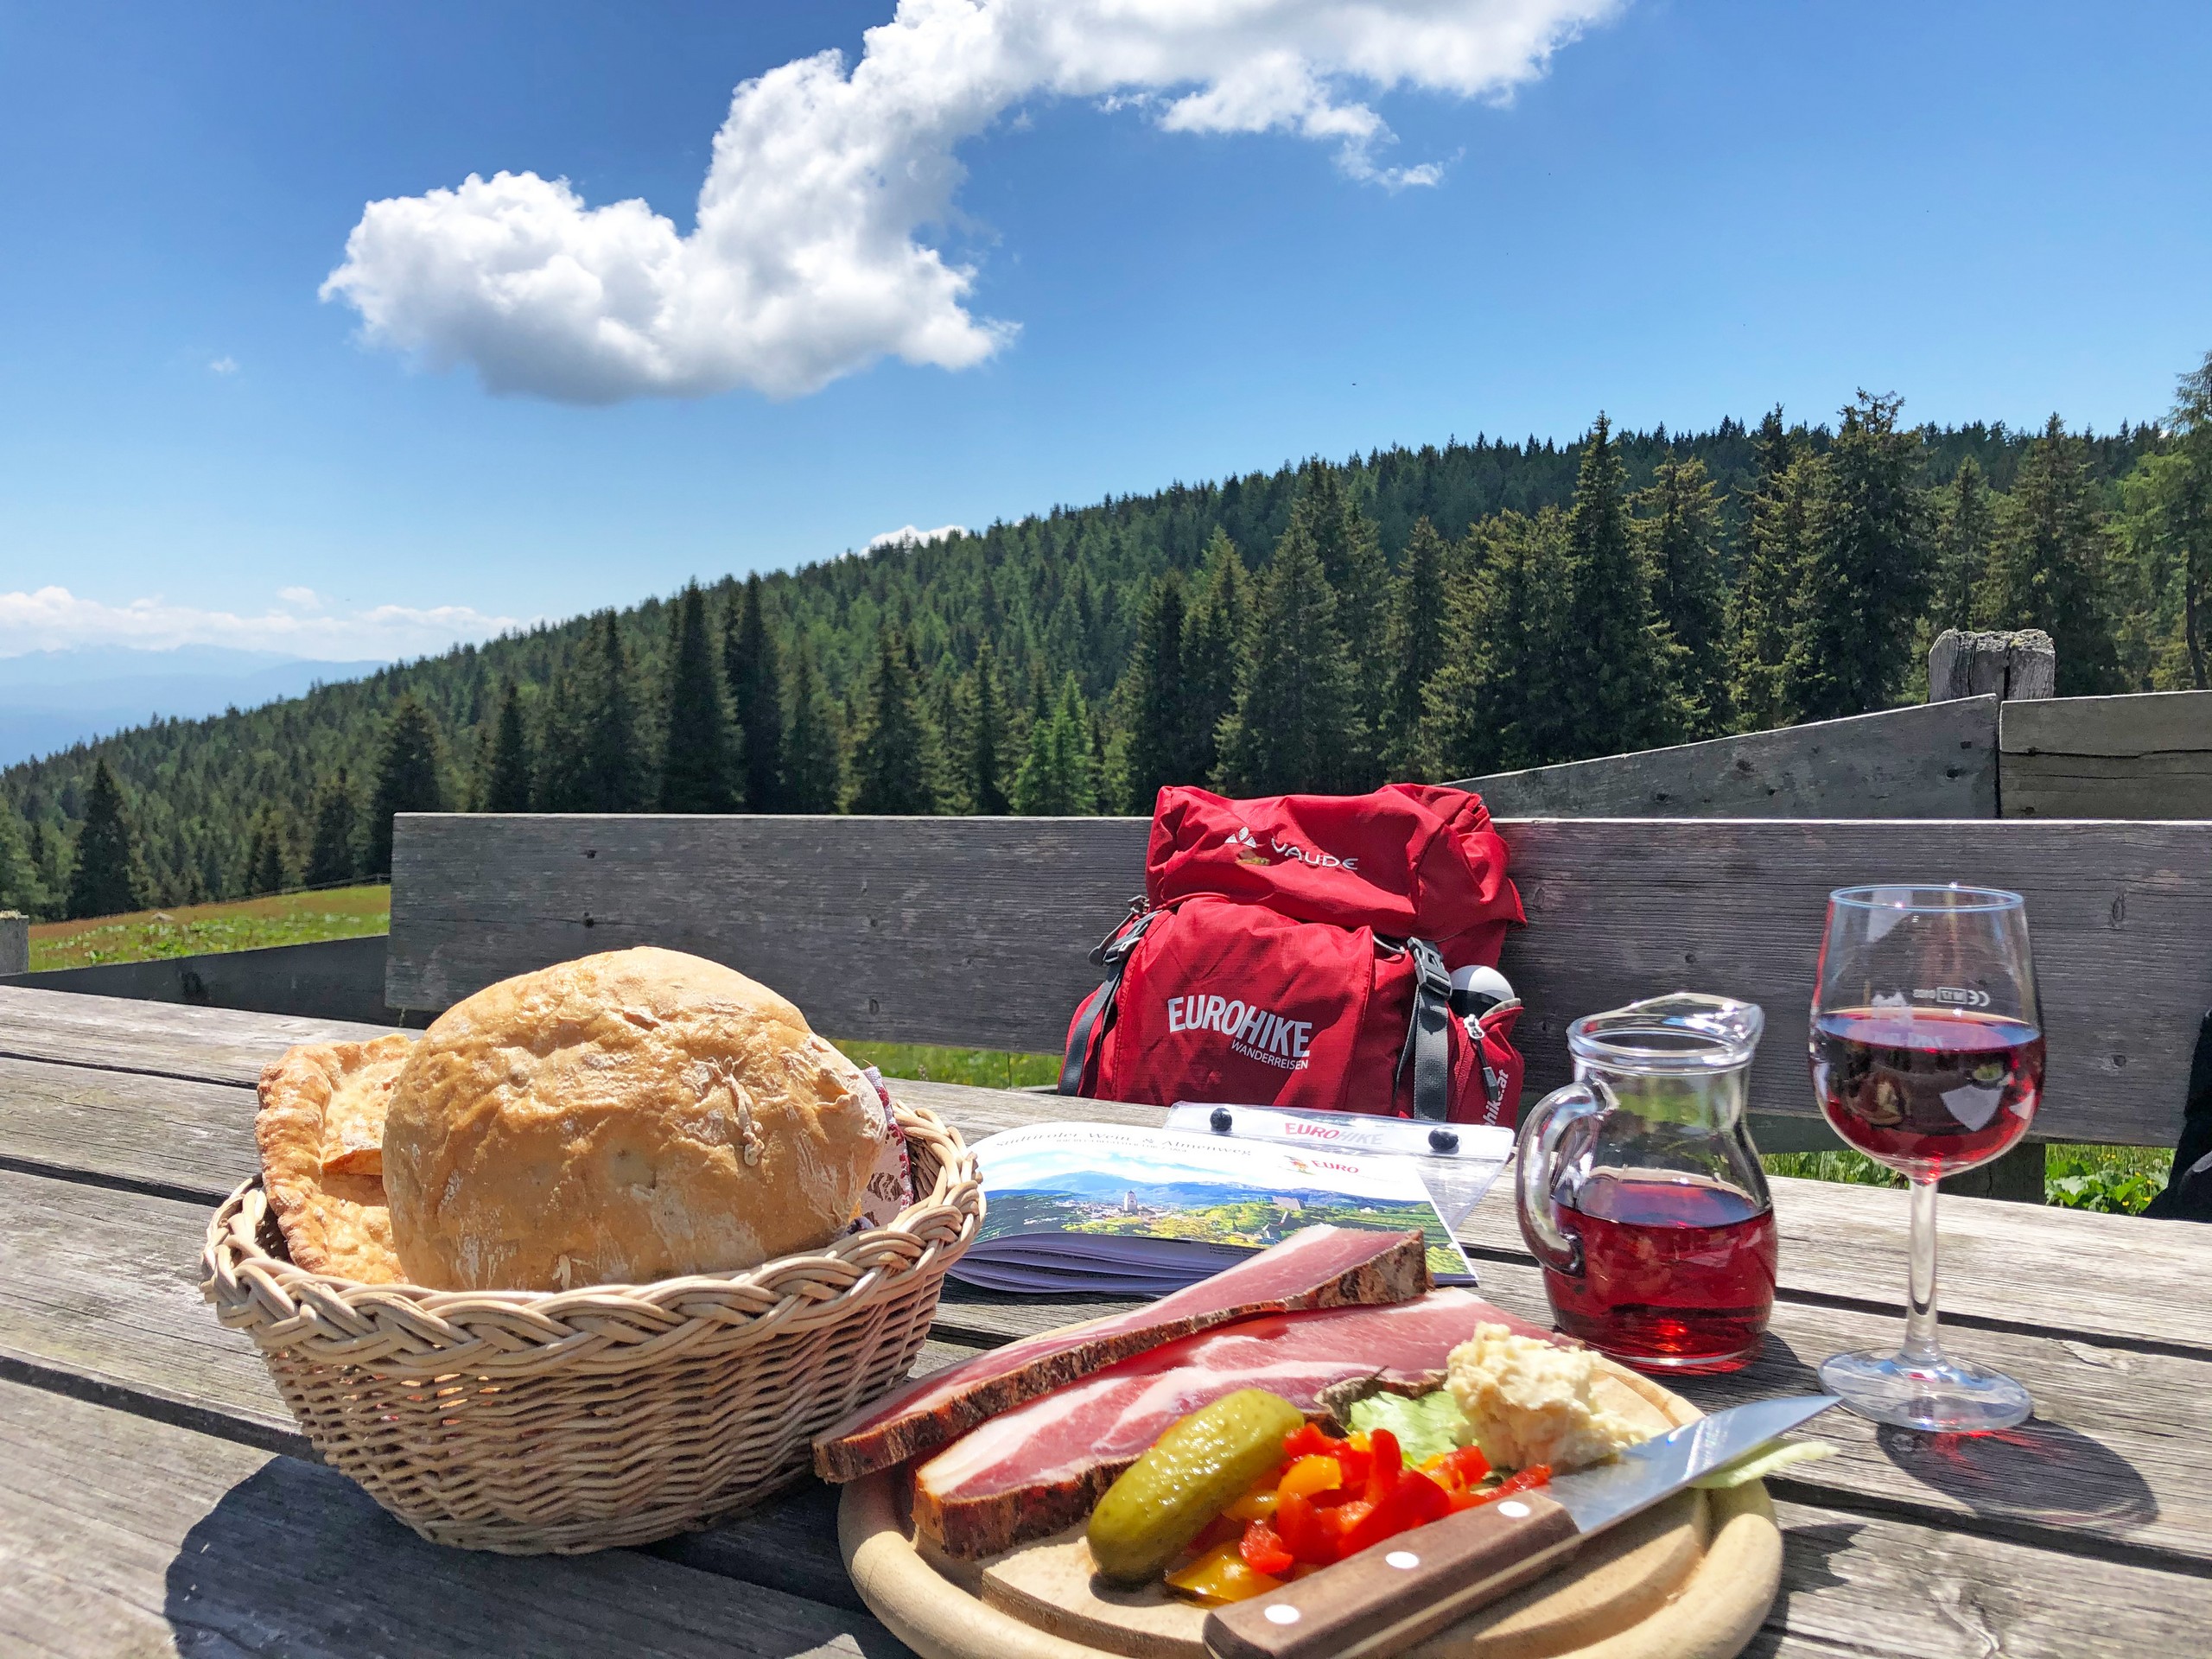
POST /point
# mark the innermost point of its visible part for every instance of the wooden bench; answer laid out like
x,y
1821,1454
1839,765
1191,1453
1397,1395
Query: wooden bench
x,y
975,931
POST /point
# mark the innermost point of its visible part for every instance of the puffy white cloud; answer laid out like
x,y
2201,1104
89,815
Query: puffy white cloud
x,y
54,618
907,536
222,366
805,262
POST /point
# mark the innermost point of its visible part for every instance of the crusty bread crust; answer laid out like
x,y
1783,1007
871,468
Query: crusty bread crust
x,y
618,1119
320,1130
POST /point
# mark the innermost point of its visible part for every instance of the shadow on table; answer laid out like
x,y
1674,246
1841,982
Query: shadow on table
x,y
1807,1553
297,1559
2039,1471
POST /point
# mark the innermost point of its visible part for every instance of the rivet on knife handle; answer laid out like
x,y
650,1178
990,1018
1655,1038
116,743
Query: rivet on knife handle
x,y
1394,1594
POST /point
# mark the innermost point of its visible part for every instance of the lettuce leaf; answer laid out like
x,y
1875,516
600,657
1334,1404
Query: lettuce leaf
x,y
1763,1460
1426,1427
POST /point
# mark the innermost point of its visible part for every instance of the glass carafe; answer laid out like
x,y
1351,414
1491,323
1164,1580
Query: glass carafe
x,y
1640,1193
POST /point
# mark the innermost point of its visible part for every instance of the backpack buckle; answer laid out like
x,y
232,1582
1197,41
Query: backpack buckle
x,y
1122,936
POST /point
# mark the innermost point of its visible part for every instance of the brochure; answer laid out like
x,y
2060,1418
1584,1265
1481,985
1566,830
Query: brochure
x,y
1117,1209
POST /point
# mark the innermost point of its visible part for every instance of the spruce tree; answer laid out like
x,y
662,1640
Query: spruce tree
x,y
984,753
615,776
506,786
1058,775
1865,582
1359,577
2167,537
1494,702
20,886
109,879
331,859
2048,570
1166,744
1680,523
1416,652
1966,532
697,770
1295,725
561,783
1615,659
813,773
756,691
1762,611
410,777
266,870
892,753
1213,632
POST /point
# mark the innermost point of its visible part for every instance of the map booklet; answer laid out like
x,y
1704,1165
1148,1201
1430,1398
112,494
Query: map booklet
x,y
1119,1210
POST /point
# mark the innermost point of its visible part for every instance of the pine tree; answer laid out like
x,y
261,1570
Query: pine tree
x,y
1295,725
1416,652
1167,745
1615,661
697,770
813,773
615,775
1213,631
982,769
1059,776
756,692
892,756
1866,581
1681,528
109,879
410,777
2048,570
506,786
1967,531
331,860
1493,704
20,885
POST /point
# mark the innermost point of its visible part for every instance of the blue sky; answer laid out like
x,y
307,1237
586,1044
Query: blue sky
x,y
1690,210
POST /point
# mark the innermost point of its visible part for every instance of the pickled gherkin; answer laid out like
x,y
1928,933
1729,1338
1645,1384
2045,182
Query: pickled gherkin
x,y
1192,1473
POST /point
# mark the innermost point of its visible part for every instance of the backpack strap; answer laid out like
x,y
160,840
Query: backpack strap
x,y
1428,1034
1096,1018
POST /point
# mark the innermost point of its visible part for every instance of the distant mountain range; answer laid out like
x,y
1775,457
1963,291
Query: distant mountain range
x,y
50,700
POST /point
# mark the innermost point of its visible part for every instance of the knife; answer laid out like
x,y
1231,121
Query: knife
x,y
1395,1593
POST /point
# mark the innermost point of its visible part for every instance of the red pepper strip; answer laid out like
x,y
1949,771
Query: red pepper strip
x,y
1264,1552
1307,1441
1536,1475
1465,1466
1386,1463
1414,1502
1311,1534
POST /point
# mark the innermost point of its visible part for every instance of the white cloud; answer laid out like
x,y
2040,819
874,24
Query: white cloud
x,y
223,365
805,262
54,618
909,537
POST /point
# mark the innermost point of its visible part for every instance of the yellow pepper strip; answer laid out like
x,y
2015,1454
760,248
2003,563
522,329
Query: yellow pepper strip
x,y
1311,1475
1220,1575
1257,1502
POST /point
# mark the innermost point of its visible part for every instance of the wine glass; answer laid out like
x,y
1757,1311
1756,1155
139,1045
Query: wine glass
x,y
1927,1044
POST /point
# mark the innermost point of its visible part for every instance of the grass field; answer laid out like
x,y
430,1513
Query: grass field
x,y
190,929
2121,1180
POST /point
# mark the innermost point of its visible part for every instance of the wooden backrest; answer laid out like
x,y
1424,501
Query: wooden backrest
x,y
974,932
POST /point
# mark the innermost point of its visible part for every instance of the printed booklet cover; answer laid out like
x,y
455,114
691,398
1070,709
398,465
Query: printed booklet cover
x,y
1121,1210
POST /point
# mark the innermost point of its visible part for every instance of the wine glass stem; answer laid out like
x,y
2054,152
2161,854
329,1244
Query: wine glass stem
x,y
1920,1319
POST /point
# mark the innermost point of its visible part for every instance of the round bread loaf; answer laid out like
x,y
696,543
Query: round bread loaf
x,y
620,1119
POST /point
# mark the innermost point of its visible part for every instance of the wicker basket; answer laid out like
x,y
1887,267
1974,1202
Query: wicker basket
x,y
530,1422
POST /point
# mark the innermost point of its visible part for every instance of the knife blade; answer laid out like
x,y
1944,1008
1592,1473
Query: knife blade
x,y
1405,1588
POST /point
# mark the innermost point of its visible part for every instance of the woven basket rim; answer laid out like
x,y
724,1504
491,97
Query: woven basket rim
x,y
405,1328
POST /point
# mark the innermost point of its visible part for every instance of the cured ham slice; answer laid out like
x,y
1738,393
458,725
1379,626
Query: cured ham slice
x,y
1314,1267
1032,1471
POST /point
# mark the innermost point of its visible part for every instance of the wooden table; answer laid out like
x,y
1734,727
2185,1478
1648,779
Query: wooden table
x,y
154,1497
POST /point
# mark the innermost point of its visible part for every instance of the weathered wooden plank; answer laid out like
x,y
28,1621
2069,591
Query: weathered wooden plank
x,y
2145,756
1937,760
213,1045
2007,665
171,1136
121,1535
974,930
15,942
326,979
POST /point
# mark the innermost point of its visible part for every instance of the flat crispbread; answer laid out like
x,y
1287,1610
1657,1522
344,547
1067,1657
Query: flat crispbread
x,y
321,1131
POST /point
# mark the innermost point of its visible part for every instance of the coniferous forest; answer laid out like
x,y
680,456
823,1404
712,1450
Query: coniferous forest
x,y
1431,612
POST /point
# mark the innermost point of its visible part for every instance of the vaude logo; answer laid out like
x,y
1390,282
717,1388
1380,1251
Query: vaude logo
x,y
1245,839
1255,1033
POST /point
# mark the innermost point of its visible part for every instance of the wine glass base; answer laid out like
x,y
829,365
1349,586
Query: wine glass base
x,y
1943,1396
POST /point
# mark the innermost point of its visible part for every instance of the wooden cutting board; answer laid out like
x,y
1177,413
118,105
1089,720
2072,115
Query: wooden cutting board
x,y
1692,1579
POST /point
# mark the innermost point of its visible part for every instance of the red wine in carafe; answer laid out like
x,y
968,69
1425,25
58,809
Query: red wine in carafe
x,y
1676,1273
1928,1091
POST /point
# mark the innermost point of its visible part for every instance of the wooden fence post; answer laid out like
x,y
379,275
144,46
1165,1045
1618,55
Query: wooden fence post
x,y
2011,666
15,942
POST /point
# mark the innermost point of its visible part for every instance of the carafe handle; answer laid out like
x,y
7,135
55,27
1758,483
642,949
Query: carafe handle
x,y
1542,1131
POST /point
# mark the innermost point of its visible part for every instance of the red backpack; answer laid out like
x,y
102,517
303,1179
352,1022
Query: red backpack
x,y
1297,952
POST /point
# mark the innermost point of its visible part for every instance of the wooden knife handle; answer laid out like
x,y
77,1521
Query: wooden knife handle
x,y
1395,1593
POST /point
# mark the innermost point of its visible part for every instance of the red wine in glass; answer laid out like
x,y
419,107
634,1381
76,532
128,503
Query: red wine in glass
x,y
1677,1275
1927,1091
